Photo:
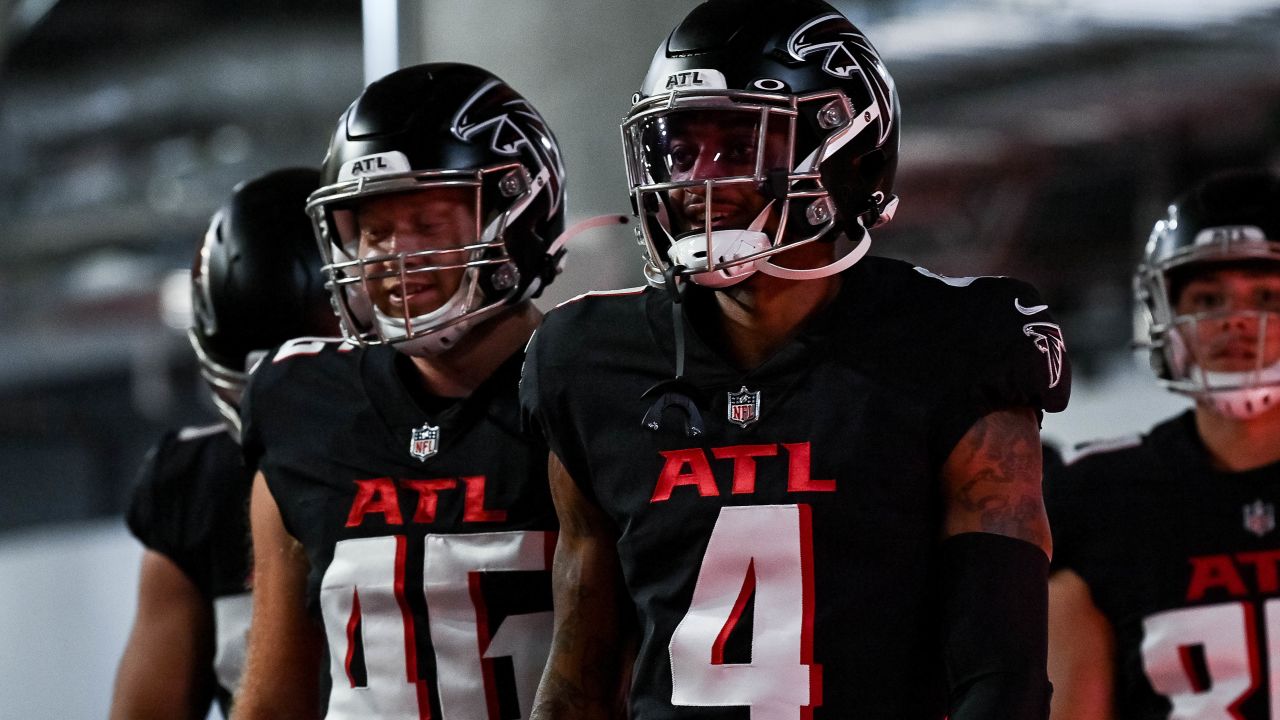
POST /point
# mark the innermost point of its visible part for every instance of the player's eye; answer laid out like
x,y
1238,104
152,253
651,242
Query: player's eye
x,y
1204,300
741,152
1267,299
683,156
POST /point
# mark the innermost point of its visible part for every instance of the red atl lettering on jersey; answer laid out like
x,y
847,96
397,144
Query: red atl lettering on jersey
x,y
798,478
379,497
473,509
673,474
375,496
692,467
428,496
1232,574
1264,565
744,464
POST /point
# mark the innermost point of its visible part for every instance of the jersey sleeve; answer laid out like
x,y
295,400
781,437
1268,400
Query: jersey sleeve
x,y
1090,502
157,513
252,445
267,421
1063,508
544,401
1014,356
1030,366
262,422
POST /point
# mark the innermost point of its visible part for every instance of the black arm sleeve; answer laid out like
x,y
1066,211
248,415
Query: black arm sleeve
x,y
996,625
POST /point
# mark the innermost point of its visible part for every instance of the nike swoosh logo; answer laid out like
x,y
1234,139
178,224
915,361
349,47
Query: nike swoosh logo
x,y
1017,305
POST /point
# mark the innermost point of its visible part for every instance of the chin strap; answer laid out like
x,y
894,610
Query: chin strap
x,y
856,253
1242,395
447,323
700,252
582,226
677,393
556,251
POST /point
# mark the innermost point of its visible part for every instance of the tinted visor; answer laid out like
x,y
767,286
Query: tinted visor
x,y
700,144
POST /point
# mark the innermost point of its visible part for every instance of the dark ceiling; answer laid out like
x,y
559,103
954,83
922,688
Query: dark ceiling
x,y
124,124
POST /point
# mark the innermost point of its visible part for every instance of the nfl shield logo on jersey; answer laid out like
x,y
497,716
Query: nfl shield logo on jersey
x,y
424,442
1259,517
744,407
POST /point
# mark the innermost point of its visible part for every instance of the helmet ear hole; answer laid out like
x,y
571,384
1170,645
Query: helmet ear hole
x,y
851,181
871,167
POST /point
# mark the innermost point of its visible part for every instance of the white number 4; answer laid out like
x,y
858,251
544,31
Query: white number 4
x,y
763,551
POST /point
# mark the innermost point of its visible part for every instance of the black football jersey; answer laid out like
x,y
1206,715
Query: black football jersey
x,y
191,505
428,525
1183,560
785,561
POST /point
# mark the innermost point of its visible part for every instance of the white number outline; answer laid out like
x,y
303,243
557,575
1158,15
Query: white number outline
x,y
1228,634
354,590
765,551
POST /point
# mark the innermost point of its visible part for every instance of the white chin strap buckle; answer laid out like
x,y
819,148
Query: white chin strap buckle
x,y
1243,395
1244,404
434,332
726,246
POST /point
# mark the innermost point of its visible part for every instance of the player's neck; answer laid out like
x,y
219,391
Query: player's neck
x,y
1239,445
458,372
760,315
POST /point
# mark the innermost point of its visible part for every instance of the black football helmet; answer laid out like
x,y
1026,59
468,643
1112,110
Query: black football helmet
x,y
816,122
433,126
1231,217
256,282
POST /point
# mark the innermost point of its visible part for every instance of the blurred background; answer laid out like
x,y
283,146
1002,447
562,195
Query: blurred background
x,y
1041,139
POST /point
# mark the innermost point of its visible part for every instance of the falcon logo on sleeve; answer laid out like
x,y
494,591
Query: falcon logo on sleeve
x,y
1048,340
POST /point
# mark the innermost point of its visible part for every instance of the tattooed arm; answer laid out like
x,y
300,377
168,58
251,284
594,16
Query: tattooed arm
x,y
591,649
992,480
995,566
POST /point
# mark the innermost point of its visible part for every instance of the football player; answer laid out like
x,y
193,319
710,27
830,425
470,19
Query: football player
x,y
401,521
1164,601
255,284
787,469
